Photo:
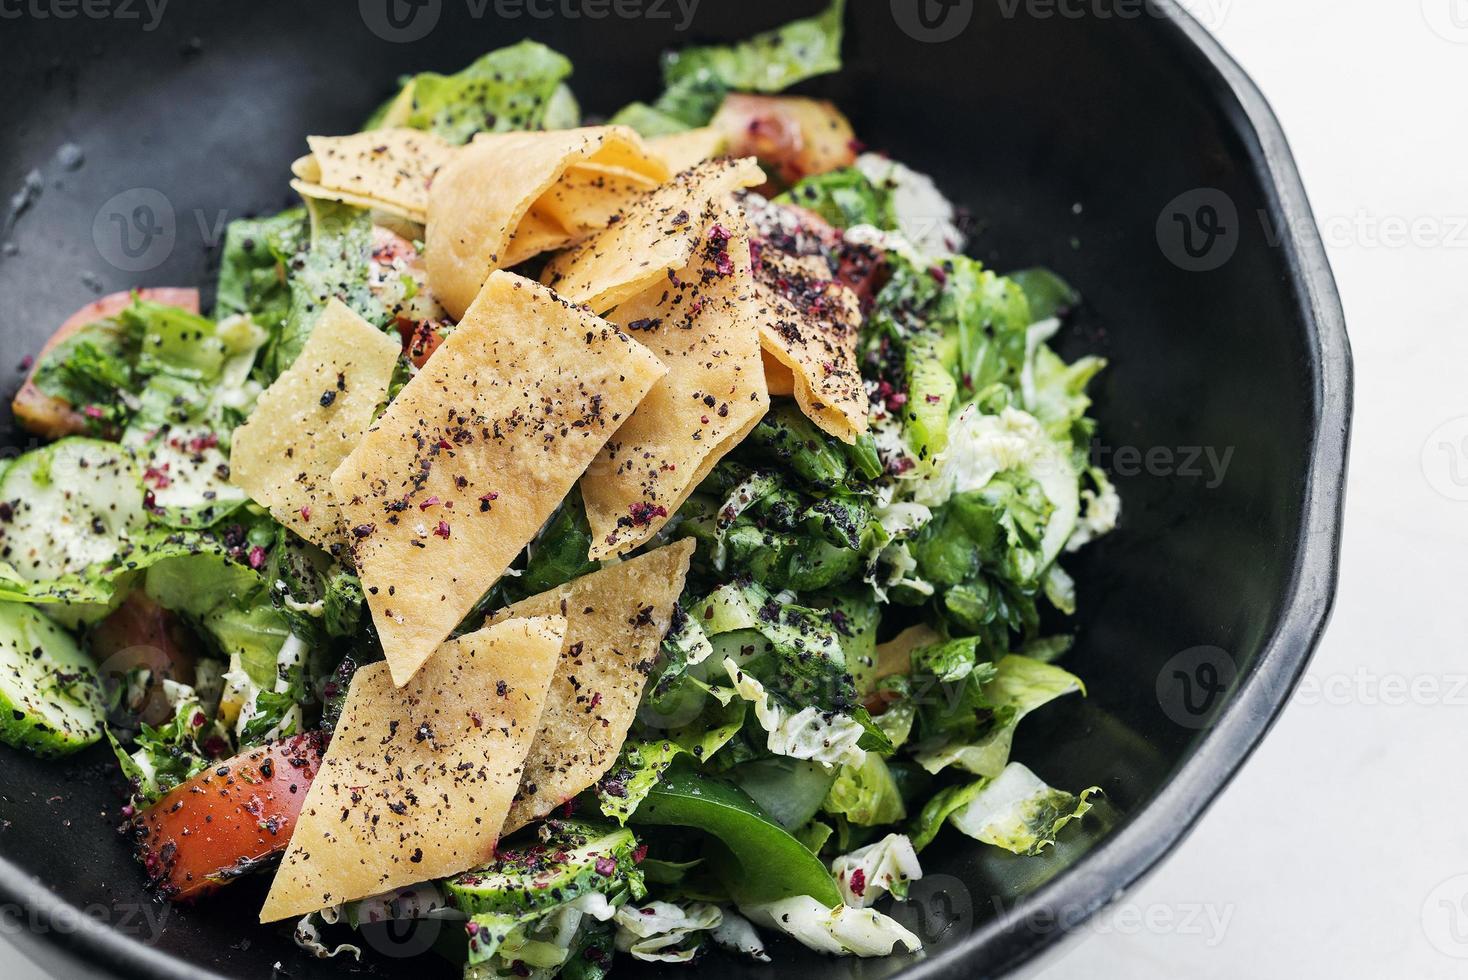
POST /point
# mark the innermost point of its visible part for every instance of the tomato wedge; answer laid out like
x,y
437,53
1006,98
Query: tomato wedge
x,y
142,634
52,418
229,819
792,136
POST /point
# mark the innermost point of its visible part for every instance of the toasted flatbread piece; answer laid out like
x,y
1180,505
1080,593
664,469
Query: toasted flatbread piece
x,y
386,169
615,620
778,378
702,322
417,781
810,324
480,200
657,234
689,148
475,453
310,419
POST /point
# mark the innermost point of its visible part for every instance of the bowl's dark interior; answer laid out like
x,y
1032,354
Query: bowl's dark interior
x,y
1063,138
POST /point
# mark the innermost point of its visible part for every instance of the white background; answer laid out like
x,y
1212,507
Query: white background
x,y
1342,848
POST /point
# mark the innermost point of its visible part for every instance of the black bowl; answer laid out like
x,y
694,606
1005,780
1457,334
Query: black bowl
x,y
1122,148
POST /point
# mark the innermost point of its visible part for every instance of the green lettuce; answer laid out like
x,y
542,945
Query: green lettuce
x,y
697,79
1016,687
1015,810
768,62
844,198
514,88
252,267
866,795
230,602
334,265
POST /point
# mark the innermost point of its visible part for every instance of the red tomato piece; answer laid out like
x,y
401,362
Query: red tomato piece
x,y
52,418
229,819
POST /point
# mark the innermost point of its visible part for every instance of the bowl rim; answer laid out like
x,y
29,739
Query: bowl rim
x,y
1148,836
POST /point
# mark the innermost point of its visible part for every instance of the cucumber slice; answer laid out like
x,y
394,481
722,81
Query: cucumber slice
x,y
70,505
577,858
50,698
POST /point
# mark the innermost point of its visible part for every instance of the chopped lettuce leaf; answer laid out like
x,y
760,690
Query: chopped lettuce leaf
x,y
844,198
1014,810
840,931
768,62
664,932
512,88
870,872
252,269
827,737
913,205
335,264
1018,686
866,794
171,754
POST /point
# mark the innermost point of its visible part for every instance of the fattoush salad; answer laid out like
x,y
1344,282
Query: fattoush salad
x,y
618,540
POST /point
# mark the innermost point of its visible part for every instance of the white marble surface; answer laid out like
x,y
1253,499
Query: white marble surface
x,y
1342,849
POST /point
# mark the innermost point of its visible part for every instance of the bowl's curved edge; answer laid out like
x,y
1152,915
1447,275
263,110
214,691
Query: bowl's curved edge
x,y
1120,862
1135,849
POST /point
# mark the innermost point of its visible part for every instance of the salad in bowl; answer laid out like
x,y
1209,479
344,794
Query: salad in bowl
x,y
615,538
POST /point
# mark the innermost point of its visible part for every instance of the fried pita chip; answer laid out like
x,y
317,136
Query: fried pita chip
x,y
657,234
417,781
310,419
480,200
778,378
702,322
476,452
388,170
615,620
689,148
810,324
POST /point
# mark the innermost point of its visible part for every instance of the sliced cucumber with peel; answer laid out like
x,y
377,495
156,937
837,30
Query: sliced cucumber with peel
x,y
68,506
51,700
